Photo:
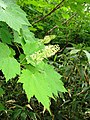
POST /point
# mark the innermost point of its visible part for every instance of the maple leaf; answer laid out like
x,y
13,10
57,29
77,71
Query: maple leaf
x,y
8,64
42,81
13,15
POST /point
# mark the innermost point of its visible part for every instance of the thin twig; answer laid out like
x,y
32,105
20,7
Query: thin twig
x,y
53,10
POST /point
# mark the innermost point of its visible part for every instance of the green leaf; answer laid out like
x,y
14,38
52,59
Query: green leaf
x,y
28,36
42,81
65,15
74,51
12,52
9,66
13,16
88,55
2,4
18,38
30,48
4,51
32,29
1,107
5,35
1,91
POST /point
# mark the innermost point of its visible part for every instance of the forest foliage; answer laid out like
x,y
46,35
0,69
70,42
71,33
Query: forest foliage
x,y
44,46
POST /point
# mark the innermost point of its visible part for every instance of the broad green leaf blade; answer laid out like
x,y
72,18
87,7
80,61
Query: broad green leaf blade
x,y
36,86
10,1
5,35
30,48
28,36
18,38
2,4
53,75
13,16
10,67
4,51
42,81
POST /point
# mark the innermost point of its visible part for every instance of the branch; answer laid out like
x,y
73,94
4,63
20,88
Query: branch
x,y
53,10
56,26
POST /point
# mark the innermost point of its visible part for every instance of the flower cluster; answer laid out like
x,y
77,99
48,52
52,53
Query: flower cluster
x,y
48,51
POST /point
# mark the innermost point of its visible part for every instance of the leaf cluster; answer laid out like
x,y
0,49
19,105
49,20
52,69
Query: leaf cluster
x,y
16,50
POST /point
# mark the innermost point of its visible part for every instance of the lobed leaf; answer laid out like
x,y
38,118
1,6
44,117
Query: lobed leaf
x,y
42,81
13,16
9,65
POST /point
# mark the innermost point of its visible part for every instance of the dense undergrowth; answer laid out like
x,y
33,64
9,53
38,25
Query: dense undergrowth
x,y
69,22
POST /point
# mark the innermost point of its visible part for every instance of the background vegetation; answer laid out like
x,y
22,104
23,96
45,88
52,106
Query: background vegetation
x,y
69,23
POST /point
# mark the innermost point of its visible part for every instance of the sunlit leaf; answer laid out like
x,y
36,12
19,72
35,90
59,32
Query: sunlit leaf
x,y
13,16
42,81
9,65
